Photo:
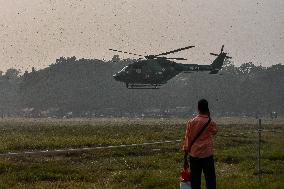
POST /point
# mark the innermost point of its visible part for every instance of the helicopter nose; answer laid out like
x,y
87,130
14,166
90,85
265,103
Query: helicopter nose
x,y
116,77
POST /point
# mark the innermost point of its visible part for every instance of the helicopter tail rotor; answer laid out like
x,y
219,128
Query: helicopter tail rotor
x,y
219,61
221,52
222,48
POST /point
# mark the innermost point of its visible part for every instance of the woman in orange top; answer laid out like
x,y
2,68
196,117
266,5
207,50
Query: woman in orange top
x,y
201,151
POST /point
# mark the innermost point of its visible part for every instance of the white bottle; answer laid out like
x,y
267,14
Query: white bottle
x,y
185,185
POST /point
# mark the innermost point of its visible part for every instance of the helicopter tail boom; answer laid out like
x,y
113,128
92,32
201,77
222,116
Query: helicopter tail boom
x,y
217,64
219,61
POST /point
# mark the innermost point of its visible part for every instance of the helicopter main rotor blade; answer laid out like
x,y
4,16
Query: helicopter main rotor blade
x,y
214,54
125,52
177,58
229,57
174,51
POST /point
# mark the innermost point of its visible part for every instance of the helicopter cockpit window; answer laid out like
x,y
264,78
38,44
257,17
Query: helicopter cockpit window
x,y
138,70
124,69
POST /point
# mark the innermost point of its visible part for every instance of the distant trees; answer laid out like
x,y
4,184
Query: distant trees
x,y
115,58
246,68
86,87
65,59
12,73
9,93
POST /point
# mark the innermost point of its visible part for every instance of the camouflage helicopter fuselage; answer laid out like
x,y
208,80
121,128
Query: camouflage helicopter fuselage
x,y
157,71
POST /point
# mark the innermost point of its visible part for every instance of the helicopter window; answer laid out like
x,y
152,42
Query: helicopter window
x,y
138,70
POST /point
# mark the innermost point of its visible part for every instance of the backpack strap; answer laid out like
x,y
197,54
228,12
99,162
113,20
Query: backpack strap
x,y
201,131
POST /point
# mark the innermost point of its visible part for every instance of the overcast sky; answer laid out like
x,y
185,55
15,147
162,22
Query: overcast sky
x,y
36,32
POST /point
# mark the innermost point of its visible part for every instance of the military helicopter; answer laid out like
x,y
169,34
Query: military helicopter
x,y
152,71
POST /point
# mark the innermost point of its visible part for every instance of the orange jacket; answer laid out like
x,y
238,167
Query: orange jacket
x,y
203,146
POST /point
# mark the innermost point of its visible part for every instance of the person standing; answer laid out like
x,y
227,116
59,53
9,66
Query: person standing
x,y
198,143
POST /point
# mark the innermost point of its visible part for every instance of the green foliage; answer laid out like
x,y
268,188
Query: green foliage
x,y
86,88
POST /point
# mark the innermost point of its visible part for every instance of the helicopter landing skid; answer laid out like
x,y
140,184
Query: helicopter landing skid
x,y
143,86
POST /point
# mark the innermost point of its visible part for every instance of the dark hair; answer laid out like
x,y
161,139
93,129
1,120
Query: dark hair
x,y
203,106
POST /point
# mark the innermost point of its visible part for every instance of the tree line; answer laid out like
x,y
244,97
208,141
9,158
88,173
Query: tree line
x,y
74,87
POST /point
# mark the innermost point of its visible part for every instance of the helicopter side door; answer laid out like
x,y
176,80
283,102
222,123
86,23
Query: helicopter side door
x,y
136,73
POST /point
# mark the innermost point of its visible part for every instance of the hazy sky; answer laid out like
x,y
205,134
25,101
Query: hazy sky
x,y
36,32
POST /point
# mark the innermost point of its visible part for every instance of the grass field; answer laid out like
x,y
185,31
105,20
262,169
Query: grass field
x,y
154,166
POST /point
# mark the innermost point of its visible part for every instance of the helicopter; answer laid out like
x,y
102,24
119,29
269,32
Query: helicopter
x,y
153,71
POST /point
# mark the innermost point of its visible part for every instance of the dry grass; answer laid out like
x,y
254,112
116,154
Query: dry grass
x,y
155,166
